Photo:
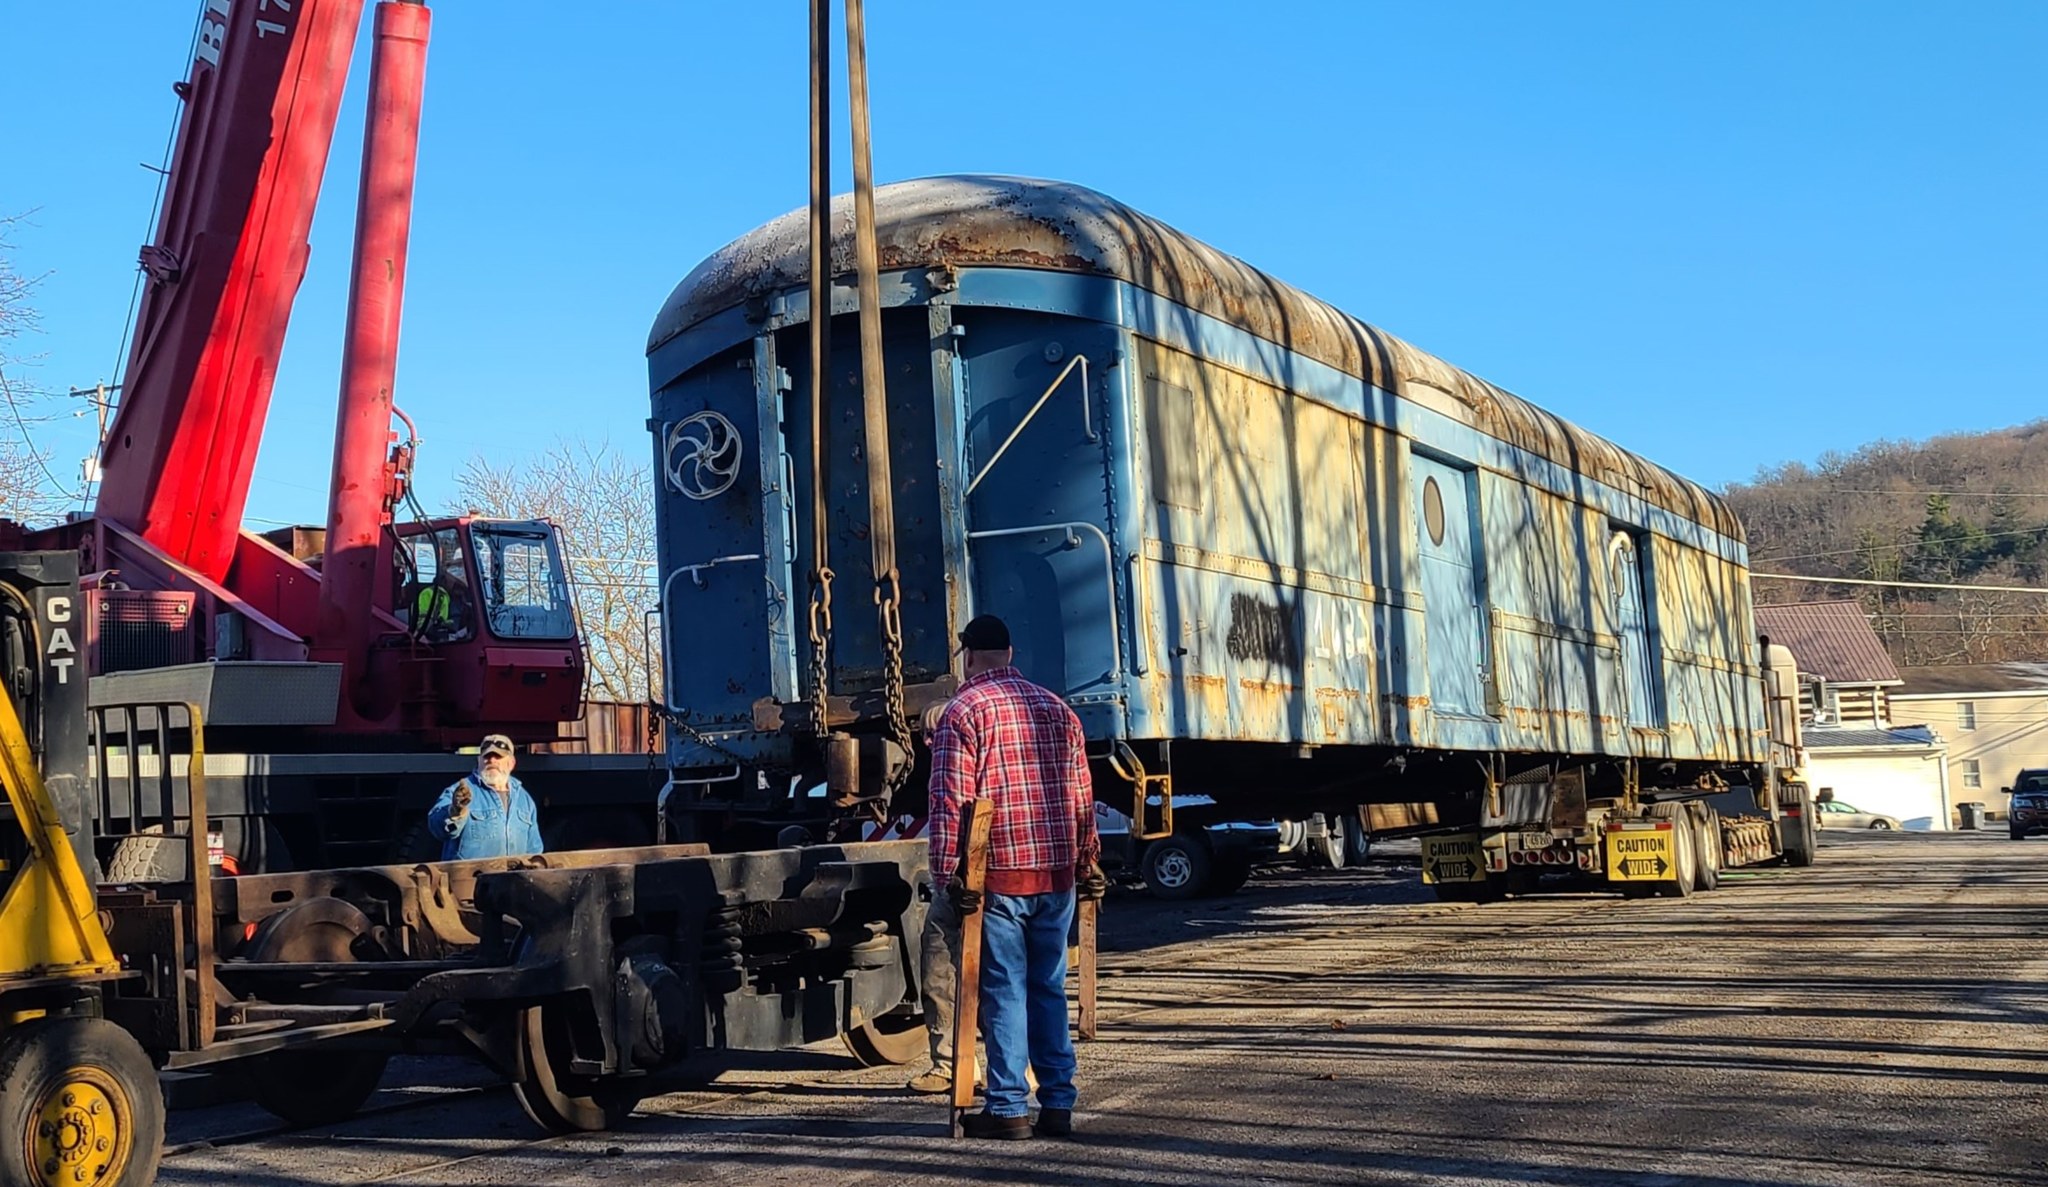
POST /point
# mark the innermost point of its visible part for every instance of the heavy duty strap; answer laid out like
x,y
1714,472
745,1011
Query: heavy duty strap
x,y
821,357
875,399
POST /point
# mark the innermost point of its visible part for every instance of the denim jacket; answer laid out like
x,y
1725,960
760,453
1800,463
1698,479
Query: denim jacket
x,y
490,830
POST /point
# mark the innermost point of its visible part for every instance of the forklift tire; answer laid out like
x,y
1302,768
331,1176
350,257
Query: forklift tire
x,y
81,1105
314,1087
1177,867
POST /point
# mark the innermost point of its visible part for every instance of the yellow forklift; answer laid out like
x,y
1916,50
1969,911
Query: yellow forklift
x,y
79,1101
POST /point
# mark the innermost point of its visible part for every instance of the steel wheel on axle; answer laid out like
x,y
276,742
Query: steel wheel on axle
x,y
891,1040
558,1100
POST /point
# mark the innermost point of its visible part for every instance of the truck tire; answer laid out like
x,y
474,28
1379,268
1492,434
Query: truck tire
x,y
82,1104
1802,840
1707,841
1178,867
1357,841
1328,851
1229,875
1684,849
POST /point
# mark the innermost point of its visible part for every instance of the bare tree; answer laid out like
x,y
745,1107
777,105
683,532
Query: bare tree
x,y
604,504
28,491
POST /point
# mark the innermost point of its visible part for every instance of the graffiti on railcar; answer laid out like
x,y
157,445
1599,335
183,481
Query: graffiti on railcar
x,y
1261,632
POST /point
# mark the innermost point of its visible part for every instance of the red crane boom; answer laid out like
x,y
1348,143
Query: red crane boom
x,y
436,628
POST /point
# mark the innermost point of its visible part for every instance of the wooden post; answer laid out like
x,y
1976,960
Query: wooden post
x,y
976,819
1089,909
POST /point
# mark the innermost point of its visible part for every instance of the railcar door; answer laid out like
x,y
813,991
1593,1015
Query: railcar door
x,y
1632,625
1454,620
1040,546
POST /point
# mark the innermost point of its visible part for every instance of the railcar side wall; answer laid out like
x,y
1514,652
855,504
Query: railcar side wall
x,y
1331,567
1195,534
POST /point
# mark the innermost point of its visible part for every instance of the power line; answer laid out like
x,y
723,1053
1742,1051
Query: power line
x,y
1904,544
21,426
2029,589
1882,490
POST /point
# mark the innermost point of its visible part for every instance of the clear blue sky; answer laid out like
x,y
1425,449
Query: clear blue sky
x,y
1720,234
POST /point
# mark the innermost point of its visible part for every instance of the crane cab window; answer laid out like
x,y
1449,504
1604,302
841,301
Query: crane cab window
x,y
525,589
435,599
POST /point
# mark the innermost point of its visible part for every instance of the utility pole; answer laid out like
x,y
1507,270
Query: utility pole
x,y
101,396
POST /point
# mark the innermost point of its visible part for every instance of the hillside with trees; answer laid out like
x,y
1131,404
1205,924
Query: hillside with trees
x,y
1966,509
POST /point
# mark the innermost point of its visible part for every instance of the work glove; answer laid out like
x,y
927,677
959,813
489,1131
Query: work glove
x,y
1090,884
462,796
966,902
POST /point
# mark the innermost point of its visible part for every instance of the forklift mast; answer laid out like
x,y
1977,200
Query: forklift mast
x,y
42,645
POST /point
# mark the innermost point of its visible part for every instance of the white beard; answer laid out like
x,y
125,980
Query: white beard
x,y
495,780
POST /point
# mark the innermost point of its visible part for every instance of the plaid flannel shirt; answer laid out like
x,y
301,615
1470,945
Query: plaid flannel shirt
x,y
1007,740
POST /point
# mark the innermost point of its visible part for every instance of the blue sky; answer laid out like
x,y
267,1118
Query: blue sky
x,y
1723,235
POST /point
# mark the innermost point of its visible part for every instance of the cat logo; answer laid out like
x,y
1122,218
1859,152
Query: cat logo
x,y
61,651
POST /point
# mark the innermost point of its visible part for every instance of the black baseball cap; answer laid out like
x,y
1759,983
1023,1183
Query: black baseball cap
x,y
985,633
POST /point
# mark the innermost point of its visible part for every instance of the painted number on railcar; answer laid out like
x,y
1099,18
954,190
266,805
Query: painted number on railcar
x,y
1641,855
1452,859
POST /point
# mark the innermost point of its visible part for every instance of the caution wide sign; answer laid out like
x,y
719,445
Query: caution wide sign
x,y
1641,854
1452,859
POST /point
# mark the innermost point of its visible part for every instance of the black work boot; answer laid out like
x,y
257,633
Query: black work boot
x,y
1002,1129
1055,1123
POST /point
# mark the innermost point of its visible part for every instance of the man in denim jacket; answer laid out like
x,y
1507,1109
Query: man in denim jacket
x,y
486,813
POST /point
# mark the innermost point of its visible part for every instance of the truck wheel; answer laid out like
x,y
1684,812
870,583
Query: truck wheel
x,y
1328,851
1357,842
82,1106
1684,849
1177,867
1707,861
1231,873
314,1087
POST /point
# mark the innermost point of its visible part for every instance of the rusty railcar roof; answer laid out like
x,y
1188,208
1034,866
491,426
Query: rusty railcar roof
x,y
1017,222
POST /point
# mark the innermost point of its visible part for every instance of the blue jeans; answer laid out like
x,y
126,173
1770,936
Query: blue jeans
x,y
1024,1000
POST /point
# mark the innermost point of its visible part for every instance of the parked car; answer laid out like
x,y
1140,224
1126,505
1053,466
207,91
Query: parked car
x,y
2028,812
1836,814
1203,854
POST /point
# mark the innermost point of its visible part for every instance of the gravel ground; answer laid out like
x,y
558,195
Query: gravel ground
x,y
1876,1019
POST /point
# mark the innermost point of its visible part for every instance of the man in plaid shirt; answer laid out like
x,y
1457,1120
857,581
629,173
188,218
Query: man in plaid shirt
x,y
1008,741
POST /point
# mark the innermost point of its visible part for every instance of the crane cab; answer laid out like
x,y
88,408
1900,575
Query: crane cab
x,y
488,601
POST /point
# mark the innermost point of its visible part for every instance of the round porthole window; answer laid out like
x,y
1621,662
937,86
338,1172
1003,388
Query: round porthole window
x,y
1433,511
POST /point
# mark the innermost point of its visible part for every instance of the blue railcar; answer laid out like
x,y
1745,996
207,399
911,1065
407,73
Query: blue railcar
x,y
1255,541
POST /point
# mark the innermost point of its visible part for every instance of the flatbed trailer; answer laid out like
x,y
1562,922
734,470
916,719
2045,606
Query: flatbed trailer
x,y
1540,829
